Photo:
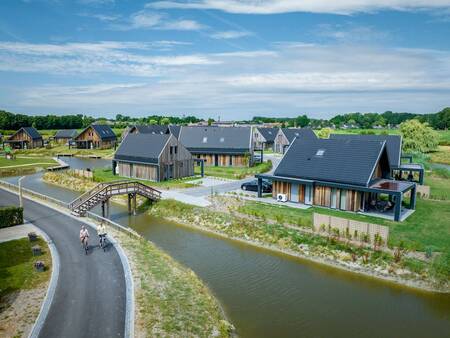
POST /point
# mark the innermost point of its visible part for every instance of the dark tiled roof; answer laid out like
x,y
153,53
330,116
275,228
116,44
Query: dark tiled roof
x,y
104,131
66,133
143,148
342,161
175,130
151,129
268,133
292,133
216,139
34,134
393,144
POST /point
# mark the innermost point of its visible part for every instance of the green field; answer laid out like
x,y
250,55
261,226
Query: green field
x,y
16,266
63,149
106,175
41,162
444,135
235,172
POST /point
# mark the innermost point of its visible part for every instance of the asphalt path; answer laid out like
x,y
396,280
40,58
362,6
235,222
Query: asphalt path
x,y
90,297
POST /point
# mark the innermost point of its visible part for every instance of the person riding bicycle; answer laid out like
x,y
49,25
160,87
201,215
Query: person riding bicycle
x,y
84,235
101,231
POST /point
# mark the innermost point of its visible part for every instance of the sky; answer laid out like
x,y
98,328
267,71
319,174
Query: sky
x,y
225,59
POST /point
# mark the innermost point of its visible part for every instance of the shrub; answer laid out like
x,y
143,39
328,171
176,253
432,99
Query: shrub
x,y
10,216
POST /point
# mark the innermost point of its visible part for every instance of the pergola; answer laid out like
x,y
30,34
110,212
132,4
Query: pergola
x,y
394,189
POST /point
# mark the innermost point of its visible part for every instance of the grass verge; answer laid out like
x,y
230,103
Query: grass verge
x,y
63,149
171,300
16,265
236,172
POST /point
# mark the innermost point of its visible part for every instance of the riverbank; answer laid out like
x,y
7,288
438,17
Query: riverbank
x,y
396,268
170,298
22,288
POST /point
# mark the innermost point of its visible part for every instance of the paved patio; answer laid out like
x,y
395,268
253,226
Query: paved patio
x,y
17,232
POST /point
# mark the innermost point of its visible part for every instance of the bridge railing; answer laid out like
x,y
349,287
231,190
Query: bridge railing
x,y
116,188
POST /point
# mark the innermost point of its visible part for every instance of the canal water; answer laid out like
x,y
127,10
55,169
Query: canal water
x,y
270,295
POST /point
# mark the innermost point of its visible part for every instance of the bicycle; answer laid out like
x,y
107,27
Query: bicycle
x,y
85,245
103,242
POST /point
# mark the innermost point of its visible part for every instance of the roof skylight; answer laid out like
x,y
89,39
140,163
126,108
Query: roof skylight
x,y
205,139
320,152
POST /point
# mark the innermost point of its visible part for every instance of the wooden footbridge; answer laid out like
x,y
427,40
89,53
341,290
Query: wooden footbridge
x,y
102,192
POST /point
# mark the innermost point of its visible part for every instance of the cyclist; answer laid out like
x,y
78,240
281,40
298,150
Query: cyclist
x,y
101,231
84,235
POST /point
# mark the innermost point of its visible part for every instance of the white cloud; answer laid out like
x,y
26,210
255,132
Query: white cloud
x,y
109,57
230,34
290,78
146,19
313,6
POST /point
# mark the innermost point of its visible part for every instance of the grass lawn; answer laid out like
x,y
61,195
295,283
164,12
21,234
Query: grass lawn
x,y
63,149
429,226
235,172
171,300
41,162
16,265
441,156
106,175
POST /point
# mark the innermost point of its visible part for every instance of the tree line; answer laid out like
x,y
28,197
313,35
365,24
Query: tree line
x,y
439,120
388,119
10,121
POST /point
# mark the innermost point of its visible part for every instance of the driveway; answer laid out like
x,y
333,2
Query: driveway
x,y
90,296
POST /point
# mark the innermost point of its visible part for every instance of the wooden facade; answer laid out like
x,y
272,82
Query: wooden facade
x,y
343,199
281,142
89,139
223,160
174,162
22,140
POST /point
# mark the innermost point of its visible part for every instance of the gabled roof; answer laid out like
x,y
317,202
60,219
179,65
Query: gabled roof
x,y
103,131
66,133
292,133
216,139
268,133
175,130
393,144
144,148
31,131
338,161
151,129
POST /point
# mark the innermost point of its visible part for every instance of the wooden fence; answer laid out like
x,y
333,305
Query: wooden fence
x,y
82,173
354,230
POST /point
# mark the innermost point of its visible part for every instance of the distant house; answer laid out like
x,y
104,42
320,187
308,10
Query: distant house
x,y
65,135
342,174
219,146
264,138
25,138
96,136
155,129
394,149
154,157
285,136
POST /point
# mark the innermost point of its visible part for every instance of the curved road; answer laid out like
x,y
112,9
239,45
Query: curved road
x,y
90,297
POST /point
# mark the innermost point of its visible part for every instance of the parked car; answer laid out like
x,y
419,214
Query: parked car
x,y
253,186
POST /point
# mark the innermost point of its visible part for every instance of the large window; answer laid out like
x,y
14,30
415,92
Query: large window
x,y
343,202
333,198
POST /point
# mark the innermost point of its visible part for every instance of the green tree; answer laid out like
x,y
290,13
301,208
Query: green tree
x,y
165,121
152,122
302,121
418,137
210,121
324,133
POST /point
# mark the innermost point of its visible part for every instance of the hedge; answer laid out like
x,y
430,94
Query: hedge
x,y
10,216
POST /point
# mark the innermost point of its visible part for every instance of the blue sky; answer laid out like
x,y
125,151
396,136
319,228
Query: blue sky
x,y
228,58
